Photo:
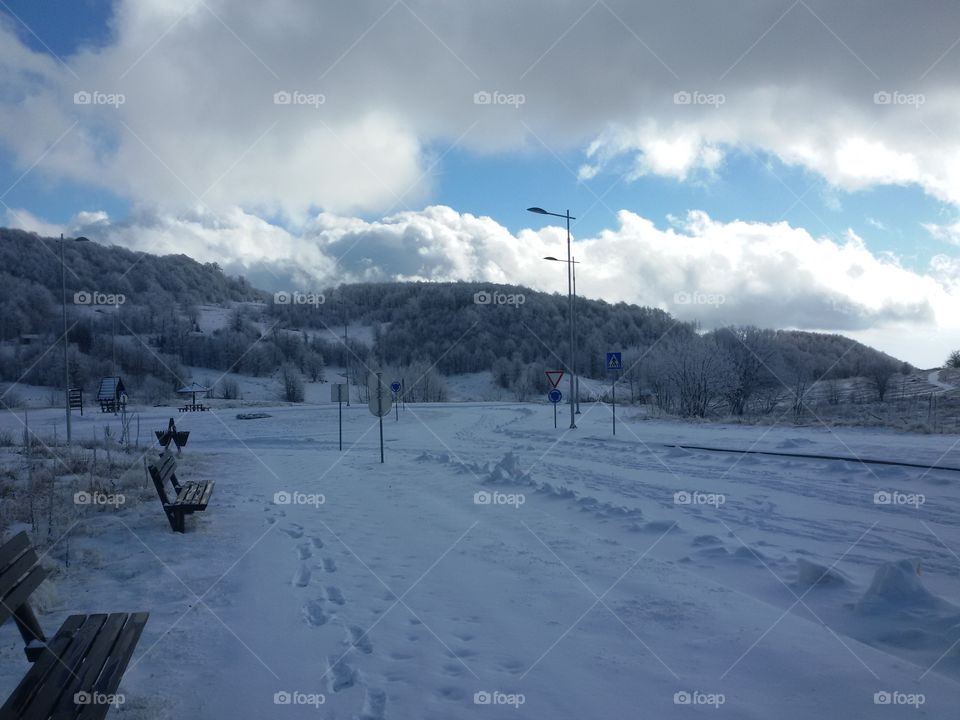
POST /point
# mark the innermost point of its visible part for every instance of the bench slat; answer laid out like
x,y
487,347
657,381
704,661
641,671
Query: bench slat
x,y
14,574
24,692
13,548
93,660
116,663
19,595
58,679
206,495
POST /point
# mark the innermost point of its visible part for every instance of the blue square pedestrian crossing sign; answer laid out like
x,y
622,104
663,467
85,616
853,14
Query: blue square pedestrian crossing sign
x,y
614,361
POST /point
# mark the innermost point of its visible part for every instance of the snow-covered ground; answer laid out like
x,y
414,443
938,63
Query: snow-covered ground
x,y
556,573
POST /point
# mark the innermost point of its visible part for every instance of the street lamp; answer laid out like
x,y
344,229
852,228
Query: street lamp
x,y
576,329
66,342
568,218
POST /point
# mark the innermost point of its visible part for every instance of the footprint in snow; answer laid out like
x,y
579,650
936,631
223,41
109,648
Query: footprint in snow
x,y
359,639
295,531
314,614
334,595
329,565
302,576
340,675
303,549
374,705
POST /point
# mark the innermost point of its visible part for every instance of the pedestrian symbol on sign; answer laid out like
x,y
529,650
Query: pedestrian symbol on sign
x,y
614,361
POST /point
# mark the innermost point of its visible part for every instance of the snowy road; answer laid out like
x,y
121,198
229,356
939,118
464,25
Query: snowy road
x,y
602,578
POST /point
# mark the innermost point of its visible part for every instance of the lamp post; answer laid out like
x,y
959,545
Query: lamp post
x,y
576,330
66,342
568,218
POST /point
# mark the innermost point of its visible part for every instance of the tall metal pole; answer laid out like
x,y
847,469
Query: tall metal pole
x,y
346,357
66,344
573,371
576,327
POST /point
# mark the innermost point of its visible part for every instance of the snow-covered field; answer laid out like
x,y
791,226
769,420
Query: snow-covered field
x,y
553,573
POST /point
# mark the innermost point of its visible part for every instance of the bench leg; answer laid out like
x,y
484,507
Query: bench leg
x,y
180,521
175,519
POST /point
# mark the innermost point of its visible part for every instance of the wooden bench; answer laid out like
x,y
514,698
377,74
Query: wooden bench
x,y
188,498
76,673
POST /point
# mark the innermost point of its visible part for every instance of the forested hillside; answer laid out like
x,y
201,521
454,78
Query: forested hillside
x,y
439,329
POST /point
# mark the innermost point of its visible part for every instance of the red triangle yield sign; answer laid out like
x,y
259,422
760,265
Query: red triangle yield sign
x,y
553,377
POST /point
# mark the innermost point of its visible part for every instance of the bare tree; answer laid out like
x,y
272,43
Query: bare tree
x,y
879,374
752,354
953,360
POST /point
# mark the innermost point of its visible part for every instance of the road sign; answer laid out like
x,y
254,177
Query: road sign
x,y
381,401
554,396
395,386
338,392
553,377
614,361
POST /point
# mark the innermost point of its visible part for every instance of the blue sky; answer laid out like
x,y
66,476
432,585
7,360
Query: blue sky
x,y
798,154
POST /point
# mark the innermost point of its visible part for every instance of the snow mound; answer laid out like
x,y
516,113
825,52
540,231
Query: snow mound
x,y
897,587
810,574
794,442
508,472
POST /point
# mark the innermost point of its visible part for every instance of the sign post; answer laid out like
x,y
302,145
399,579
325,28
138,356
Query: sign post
x,y
395,388
615,365
379,402
555,396
337,393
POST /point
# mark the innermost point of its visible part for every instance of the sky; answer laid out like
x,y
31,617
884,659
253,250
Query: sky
x,y
791,164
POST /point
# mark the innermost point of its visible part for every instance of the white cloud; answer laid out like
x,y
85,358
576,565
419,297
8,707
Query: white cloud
x,y
947,233
198,119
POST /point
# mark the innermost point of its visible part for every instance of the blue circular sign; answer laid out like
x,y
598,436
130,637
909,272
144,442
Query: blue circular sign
x,y
554,396
395,386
